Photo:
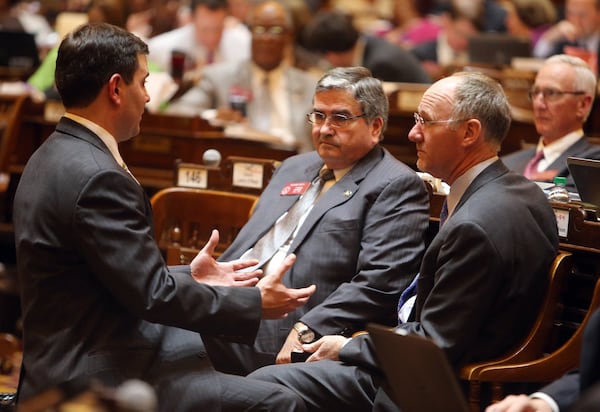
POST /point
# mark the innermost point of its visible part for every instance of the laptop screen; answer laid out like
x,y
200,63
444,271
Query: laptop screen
x,y
586,174
417,371
18,50
497,48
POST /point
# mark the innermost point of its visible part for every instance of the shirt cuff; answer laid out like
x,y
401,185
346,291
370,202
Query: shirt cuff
x,y
546,398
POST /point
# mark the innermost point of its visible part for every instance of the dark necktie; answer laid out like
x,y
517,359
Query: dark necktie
x,y
281,231
531,168
411,290
444,213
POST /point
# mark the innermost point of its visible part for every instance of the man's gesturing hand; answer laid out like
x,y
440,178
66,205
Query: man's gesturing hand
x,y
277,299
207,270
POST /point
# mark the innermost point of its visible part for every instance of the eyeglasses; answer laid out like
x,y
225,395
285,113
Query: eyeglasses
x,y
270,30
549,95
419,120
335,120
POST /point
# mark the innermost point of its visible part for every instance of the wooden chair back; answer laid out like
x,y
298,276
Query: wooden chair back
x,y
11,110
534,344
185,217
551,349
545,368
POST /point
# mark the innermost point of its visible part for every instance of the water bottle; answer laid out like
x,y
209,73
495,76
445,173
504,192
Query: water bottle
x,y
559,192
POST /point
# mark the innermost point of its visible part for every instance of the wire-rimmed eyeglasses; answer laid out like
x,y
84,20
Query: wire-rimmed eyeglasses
x,y
550,95
420,121
335,120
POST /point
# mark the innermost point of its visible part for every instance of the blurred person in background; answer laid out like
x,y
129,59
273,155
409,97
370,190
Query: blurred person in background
x,y
529,18
334,35
212,36
577,34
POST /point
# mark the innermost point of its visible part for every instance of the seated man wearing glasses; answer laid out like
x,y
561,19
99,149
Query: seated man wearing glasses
x,y
361,242
562,97
264,93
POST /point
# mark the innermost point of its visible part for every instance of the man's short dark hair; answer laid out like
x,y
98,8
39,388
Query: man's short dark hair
x,y
209,4
89,56
330,31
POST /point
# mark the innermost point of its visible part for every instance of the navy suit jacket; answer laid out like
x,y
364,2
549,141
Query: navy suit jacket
x,y
96,293
517,161
361,244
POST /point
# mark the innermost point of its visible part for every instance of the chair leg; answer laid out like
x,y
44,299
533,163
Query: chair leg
x,y
497,392
475,396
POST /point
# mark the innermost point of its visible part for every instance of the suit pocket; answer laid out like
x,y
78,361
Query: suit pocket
x,y
339,225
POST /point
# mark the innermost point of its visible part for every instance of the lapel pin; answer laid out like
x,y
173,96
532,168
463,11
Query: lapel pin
x,y
348,193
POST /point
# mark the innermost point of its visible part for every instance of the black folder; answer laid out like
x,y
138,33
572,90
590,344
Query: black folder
x,y
418,372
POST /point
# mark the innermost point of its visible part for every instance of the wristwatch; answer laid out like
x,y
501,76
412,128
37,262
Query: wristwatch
x,y
305,334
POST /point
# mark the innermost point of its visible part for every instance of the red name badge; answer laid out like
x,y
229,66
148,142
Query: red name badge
x,y
294,189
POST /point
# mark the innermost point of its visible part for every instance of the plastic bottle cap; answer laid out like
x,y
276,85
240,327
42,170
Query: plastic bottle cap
x,y
560,180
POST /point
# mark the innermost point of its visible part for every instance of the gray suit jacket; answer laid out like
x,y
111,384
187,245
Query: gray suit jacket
x,y
517,161
484,275
361,244
214,90
95,290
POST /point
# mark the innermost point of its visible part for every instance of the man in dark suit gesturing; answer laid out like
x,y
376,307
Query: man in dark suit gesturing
x,y
99,303
482,277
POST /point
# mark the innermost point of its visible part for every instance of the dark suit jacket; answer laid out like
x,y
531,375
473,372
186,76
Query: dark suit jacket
x,y
391,63
95,290
570,387
361,244
481,280
517,161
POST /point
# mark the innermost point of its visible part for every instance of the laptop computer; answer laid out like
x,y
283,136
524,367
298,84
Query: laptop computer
x,y
586,175
497,48
18,50
418,372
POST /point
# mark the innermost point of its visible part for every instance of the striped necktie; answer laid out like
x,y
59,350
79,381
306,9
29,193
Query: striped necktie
x,y
280,232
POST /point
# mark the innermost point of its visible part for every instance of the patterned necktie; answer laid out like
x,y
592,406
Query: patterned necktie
x,y
411,290
531,168
280,232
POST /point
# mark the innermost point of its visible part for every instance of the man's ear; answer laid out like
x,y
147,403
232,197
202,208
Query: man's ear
x,y
114,83
472,132
583,105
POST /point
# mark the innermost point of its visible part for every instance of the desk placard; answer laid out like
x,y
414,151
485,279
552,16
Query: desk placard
x,y
562,221
195,176
249,175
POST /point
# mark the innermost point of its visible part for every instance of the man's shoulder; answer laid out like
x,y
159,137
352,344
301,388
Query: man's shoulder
x,y
587,148
173,38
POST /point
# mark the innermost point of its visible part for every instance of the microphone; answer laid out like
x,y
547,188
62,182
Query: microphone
x,y
135,395
211,157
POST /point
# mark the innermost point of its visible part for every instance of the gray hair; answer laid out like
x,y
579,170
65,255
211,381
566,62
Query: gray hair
x,y
367,90
480,97
585,79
